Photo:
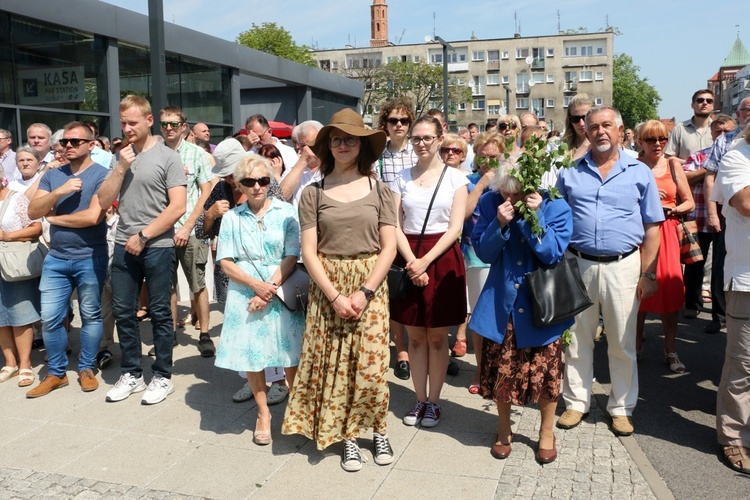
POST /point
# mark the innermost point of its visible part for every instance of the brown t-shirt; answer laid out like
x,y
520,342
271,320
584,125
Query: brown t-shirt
x,y
348,228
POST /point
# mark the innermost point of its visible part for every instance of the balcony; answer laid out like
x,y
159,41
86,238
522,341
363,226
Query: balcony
x,y
477,90
522,88
537,63
570,87
493,65
458,67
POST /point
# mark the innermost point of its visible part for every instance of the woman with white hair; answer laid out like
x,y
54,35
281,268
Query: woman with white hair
x,y
521,363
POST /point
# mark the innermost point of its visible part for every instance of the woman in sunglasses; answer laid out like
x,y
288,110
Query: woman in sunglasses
x,y
431,200
348,222
258,248
673,187
575,126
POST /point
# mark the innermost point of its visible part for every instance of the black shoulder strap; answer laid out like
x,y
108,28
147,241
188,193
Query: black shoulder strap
x,y
429,208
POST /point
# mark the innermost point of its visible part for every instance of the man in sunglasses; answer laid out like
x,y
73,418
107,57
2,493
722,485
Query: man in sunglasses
x,y
67,197
694,134
192,253
150,182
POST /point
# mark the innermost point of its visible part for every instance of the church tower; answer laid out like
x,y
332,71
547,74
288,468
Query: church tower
x,y
379,21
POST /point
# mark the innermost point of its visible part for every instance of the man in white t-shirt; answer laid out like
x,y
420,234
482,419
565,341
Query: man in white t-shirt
x,y
259,132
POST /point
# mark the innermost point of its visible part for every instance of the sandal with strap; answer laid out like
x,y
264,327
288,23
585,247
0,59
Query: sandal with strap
x,y
738,458
671,359
7,373
262,437
25,377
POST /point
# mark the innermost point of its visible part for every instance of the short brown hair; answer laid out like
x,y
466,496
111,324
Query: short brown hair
x,y
173,110
81,125
699,92
136,101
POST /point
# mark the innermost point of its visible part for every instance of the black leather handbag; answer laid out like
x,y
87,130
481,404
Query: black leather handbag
x,y
557,293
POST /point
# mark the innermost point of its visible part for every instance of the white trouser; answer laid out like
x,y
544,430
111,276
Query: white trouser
x,y
611,286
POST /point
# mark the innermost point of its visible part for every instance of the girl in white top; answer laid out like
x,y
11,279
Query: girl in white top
x,y
436,301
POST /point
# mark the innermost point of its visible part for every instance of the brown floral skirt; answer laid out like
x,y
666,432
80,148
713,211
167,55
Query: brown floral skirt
x,y
341,387
520,376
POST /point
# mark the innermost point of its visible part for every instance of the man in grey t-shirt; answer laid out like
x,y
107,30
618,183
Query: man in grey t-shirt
x,y
151,185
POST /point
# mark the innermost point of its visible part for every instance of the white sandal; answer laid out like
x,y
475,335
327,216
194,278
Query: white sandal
x,y
7,373
673,361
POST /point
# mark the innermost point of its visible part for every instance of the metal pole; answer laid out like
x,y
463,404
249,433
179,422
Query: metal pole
x,y
445,81
507,99
158,57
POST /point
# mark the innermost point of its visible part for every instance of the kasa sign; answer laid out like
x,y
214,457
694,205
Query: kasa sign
x,y
51,85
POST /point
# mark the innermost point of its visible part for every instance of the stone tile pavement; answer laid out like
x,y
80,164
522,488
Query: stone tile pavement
x,y
198,444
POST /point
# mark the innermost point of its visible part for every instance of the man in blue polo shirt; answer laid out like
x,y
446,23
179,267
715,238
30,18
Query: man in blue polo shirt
x,y
616,210
77,257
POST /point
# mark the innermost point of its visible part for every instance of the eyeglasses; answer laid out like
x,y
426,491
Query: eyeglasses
x,y
653,140
455,151
73,142
426,139
491,161
701,100
349,141
503,126
250,181
3,138
740,109
170,124
395,121
576,118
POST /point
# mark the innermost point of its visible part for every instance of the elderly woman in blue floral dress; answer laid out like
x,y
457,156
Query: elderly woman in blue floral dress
x,y
258,247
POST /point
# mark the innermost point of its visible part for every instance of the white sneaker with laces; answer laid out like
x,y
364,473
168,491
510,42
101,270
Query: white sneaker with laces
x,y
124,387
383,453
157,391
352,459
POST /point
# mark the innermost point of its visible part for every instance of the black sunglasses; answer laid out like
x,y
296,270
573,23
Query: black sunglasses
x,y
170,124
250,181
576,118
503,126
73,142
395,121
654,140
701,100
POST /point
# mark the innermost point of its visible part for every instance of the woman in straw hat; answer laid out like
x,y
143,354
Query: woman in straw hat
x,y
348,225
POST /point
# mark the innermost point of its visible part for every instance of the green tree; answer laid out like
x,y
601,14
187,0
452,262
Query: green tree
x,y
419,81
636,99
273,39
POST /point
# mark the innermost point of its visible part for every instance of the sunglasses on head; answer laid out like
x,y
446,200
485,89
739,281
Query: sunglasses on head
x,y
170,124
701,100
654,140
576,118
395,121
250,181
73,142
503,126
455,151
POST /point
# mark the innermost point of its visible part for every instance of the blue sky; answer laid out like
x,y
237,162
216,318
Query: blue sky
x,y
677,44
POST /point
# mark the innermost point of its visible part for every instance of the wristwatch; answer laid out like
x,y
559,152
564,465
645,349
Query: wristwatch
x,y
142,237
369,294
651,276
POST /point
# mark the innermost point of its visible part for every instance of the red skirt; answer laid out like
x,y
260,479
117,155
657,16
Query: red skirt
x,y
670,296
443,301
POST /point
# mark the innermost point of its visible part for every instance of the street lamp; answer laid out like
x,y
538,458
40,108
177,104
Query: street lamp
x,y
446,48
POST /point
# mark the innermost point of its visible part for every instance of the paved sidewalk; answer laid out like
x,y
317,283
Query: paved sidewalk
x,y
198,443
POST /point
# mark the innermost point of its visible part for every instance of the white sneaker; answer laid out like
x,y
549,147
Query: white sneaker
x,y
157,391
124,387
352,458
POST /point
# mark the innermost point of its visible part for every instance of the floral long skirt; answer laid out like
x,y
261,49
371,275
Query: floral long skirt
x,y
520,376
341,387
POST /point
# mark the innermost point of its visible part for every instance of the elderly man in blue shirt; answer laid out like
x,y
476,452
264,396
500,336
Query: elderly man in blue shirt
x,y
616,211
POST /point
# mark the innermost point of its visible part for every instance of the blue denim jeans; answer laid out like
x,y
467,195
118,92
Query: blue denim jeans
x,y
59,278
156,265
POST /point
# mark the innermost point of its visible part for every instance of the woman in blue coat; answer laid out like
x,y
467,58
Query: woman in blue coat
x,y
521,363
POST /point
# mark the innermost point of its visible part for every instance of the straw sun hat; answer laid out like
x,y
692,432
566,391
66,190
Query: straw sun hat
x,y
350,122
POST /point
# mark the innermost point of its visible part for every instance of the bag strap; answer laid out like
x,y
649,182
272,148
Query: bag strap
x,y
678,200
6,204
429,208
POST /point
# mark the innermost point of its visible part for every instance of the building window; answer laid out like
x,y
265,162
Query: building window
x,y
493,79
522,103
566,102
550,103
522,53
325,64
417,58
478,88
587,50
506,79
550,78
477,55
493,109
571,51
436,58
477,104
522,83
586,76
537,106
599,76
462,106
550,52
598,101
538,77
334,65
392,59
600,51
504,55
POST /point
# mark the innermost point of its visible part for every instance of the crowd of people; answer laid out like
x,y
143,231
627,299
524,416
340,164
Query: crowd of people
x,y
113,221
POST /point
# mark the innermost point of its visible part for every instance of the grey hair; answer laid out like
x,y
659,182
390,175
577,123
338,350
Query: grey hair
x,y
305,126
503,181
599,109
6,133
54,140
40,125
28,149
249,163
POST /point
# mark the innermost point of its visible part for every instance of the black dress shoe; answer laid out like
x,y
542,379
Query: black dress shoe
x,y
37,343
402,370
714,326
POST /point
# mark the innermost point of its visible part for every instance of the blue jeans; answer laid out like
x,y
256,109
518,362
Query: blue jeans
x,y
128,271
59,278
